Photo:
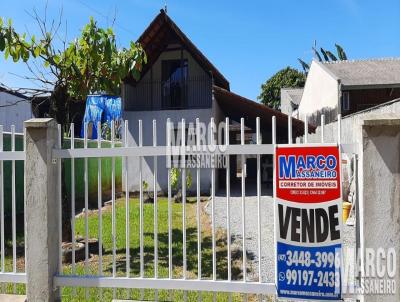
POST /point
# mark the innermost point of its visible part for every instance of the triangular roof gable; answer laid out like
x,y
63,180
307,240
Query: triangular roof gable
x,y
156,38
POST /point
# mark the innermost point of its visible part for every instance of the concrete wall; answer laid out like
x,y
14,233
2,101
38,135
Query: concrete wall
x,y
352,123
147,93
161,116
380,192
15,114
321,92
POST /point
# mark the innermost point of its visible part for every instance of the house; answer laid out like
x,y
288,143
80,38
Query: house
x,y
290,100
347,87
179,82
15,108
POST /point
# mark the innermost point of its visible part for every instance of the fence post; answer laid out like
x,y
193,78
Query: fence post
x,y
41,207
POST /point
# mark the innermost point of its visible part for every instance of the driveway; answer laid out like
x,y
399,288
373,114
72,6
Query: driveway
x,y
267,228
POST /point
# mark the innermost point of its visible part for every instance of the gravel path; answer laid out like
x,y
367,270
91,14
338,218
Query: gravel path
x,y
267,230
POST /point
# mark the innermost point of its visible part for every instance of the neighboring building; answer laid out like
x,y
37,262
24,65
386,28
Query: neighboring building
x,y
348,86
180,82
290,100
15,108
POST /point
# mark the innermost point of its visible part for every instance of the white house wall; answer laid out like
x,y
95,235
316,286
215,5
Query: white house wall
x,y
160,116
321,92
15,114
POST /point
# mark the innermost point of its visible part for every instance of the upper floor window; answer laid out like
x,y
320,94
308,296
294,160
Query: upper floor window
x,y
346,101
174,75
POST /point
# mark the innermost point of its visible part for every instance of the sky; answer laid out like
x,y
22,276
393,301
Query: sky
x,y
248,41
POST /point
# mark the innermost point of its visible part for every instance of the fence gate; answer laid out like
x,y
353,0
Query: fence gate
x,y
179,247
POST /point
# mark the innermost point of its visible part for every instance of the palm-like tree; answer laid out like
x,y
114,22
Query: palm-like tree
x,y
325,56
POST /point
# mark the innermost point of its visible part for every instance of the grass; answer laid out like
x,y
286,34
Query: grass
x,y
79,294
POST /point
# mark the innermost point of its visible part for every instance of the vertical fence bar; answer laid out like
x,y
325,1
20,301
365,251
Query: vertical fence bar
x,y
214,252
322,128
99,206
2,204
141,207
183,132
155,209
243,164
13,205
183,139
127,206
169,163
258,134
274,190
86,180
199,237
290,141
290,129
113,215
86,203
214,257
72,146
169,204
228,206
59,195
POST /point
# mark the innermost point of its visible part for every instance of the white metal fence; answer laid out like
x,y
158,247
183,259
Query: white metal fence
x,y
11,273
165,281
117,268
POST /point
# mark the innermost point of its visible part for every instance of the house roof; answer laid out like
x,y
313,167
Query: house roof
x,y
294,94
161,31
372,72
236,107
14,93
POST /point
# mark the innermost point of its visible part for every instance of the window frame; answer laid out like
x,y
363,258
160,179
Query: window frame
x,y
167,102
346,101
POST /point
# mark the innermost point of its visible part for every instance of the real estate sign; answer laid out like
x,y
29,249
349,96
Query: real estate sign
x,y
308,208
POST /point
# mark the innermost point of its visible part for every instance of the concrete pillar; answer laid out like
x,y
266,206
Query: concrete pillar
x,y
41,208
380,192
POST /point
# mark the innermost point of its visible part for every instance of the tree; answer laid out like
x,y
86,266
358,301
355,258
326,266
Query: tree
x,y
325,56
89,64
271,89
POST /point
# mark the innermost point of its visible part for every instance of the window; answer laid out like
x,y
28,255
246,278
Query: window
x,y
174,76
346,101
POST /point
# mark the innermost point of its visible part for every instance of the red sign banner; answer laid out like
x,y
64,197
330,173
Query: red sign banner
x,y
308,174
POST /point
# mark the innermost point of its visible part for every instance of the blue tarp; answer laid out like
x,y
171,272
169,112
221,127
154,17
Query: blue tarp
x,y
101,108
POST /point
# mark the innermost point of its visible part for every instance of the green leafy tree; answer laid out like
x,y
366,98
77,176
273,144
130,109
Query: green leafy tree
x,y
271,89
90,63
